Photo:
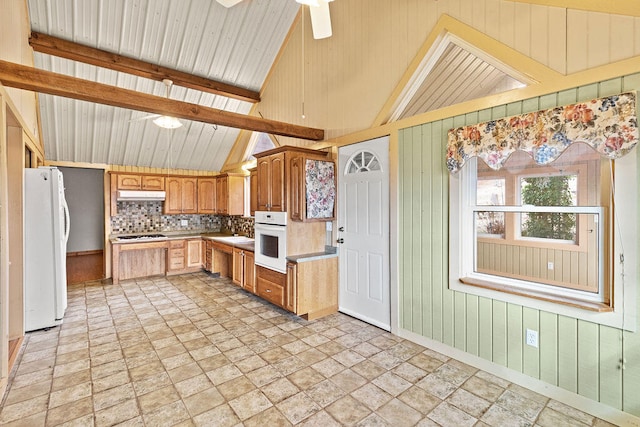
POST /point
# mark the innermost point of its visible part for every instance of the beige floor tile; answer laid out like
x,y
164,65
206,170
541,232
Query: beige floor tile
x,y
392,383
348,411
18,410
250,404
70,380
168,415
17,395
220,416
113,396
419,399
280,390
448,415
236,387
68,395
69,412
204,401
298,407
371,396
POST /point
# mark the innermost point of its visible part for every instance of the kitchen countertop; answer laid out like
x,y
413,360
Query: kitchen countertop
x,y
186,235
329,252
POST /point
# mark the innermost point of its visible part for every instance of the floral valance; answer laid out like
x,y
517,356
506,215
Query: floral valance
x,y
609,125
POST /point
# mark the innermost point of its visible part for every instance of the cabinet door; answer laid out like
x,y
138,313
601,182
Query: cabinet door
x,y
253,191
222,195
152,182
249,272
194,253
296,188
189,195
290,300
278,200
129,182
206,195
264,184
238,267
173,200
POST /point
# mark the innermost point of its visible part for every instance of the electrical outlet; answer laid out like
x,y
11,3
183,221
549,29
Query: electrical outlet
x,y
184,222
532,338
549,265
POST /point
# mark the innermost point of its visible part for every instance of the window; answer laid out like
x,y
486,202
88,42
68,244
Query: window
x,y
544,210
543,225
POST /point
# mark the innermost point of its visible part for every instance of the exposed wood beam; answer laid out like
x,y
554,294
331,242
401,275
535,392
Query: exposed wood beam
x,y
29,78
77,52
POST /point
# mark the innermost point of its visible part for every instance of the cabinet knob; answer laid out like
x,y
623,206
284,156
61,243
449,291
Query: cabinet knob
x,y
340,240
268,290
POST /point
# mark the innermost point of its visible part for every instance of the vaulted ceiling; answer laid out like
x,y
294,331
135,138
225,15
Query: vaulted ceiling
x,y
236,45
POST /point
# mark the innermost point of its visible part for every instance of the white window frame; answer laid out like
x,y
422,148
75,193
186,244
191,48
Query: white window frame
x,y
462,248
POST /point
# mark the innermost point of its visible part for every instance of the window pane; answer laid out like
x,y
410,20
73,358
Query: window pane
x,y
490,224
490,192
571,268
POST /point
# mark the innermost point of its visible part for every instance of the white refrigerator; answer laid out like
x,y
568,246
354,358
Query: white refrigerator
x,y
46,232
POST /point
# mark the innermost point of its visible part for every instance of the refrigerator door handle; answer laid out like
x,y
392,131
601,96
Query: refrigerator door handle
x,y
67,222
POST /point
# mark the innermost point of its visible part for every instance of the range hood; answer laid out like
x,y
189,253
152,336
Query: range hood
x,y
141,195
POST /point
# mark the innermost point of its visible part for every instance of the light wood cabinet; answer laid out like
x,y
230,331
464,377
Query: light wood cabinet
x,y
281,181
230,194
185,255
270,185
253,191
182,195
140,182
194,253
134,260
222,259
207,195
312,288
176,256
270,285
243,269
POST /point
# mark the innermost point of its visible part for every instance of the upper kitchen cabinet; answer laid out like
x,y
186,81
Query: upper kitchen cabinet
x,y
207,195
297,180
270,185
182,195
139,182
253,191
230,194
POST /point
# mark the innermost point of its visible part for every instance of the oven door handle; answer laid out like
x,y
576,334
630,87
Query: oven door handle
x,y
269,227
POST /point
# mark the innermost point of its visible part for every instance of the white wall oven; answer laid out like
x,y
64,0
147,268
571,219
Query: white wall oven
x,y
271,240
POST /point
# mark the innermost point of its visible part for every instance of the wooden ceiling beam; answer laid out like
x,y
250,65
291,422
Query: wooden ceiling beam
x,y
77,52
29,78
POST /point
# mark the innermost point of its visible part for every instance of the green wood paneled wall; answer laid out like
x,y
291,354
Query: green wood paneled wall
x,y
579,356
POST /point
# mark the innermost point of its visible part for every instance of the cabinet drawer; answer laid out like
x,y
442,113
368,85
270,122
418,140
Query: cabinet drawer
x,y
176,263
271,292
176,253
176,244
222,247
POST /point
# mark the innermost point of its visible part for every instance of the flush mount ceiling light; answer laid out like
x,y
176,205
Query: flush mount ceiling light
x,y
167,122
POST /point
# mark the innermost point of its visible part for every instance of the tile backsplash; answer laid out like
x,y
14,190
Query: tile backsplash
x,y
147,217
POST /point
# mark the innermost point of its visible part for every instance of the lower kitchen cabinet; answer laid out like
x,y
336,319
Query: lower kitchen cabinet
x,y
185,255
312,288
175,256
244,269
271,285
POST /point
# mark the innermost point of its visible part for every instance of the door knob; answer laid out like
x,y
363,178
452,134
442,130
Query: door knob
x,y
340,240
341,229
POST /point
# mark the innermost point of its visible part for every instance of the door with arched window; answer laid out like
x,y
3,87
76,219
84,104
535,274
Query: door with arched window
x,y
363,231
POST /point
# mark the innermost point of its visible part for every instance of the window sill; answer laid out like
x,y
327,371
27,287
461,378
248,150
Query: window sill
x,y
571,302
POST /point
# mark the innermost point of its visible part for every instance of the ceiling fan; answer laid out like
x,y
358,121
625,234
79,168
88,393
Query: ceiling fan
x,y
318,9
166,122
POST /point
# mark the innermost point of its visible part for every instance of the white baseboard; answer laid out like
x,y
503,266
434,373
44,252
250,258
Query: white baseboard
x,y
582,403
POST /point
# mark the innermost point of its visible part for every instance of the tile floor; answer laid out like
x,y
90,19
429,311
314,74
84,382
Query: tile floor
x,y
195,350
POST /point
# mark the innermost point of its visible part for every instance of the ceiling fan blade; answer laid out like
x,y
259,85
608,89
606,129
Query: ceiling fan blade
x,y
147,117
229,3
320,20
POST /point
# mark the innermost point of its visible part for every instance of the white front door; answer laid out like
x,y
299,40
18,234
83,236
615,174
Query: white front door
x,y
363,230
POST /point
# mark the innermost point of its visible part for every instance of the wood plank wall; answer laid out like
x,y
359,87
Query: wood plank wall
x,y
349,76
576,355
